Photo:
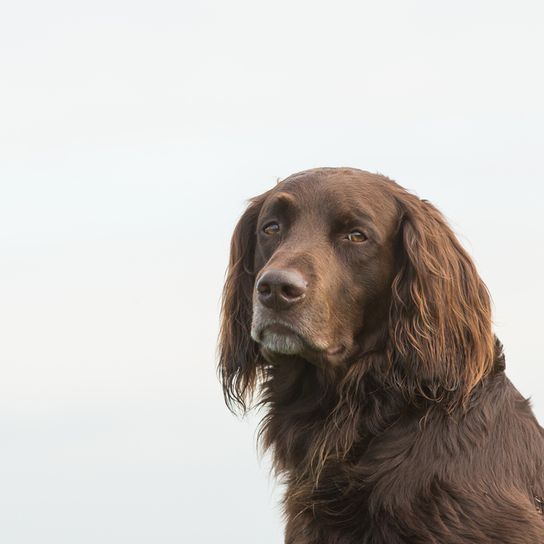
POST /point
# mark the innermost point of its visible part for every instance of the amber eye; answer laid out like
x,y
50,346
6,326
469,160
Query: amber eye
x,y
356,236
271,228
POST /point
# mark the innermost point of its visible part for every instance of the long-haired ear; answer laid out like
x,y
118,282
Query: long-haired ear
x,y
238,352
440,322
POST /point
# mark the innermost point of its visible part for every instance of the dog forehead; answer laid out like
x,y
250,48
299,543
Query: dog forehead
x,y
338,191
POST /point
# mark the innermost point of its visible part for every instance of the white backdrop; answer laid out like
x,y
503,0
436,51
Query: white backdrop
x,y
131,134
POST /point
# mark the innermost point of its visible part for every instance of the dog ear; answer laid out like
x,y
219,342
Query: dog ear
x,y
440,318
238,352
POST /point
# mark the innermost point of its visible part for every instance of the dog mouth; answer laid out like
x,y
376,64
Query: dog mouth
x,y
281,338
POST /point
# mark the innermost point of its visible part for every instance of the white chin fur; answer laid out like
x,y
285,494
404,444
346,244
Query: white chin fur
x,y
286,344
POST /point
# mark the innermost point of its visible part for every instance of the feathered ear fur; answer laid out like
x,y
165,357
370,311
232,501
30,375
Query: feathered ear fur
x,y
238,352
440,320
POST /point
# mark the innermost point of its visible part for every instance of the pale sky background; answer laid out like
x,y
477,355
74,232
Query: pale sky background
x,y
131,134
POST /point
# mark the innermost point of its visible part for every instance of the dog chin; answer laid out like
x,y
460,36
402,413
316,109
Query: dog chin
x,y
281,343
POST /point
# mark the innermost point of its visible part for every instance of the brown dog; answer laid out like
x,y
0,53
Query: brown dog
x,y
355,314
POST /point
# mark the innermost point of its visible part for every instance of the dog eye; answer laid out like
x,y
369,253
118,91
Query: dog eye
x,y
356,236
271,228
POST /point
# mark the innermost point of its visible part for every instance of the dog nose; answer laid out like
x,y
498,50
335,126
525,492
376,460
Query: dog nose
x,y
280,289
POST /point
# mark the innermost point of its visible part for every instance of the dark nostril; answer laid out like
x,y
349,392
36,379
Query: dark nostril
x,y
292,291
281,288
263,288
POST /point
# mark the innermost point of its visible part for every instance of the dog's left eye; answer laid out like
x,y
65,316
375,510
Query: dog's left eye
x,y
271,228
356,236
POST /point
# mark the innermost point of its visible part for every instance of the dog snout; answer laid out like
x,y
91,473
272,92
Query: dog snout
x,y
281,289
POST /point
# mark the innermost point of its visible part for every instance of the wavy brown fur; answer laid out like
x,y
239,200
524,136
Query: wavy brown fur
x,y
414,434
440,312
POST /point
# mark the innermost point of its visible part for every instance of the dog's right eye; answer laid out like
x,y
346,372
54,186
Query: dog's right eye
x,y
271,228
357,236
